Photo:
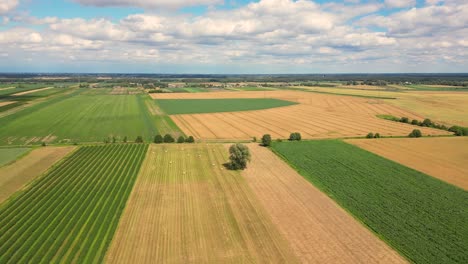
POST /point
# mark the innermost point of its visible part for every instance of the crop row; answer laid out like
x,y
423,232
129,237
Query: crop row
x,y
71,213
421,217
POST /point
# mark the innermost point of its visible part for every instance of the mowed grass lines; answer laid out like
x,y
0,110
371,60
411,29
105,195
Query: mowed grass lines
x,y
421,217
192,106
70,214
81,118
187,208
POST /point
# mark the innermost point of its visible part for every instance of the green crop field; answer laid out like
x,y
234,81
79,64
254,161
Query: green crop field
x,y
193,106
70,214
80,118
8,155
421,217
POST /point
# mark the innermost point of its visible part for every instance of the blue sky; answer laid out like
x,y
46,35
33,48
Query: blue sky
x,y
233,36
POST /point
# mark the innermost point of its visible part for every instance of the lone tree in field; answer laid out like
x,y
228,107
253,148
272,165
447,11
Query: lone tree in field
x,y
139,139
415,133
168,139
266,140
404,120
370,135
158,139
295,136
377,135
239,155
181,139
190,139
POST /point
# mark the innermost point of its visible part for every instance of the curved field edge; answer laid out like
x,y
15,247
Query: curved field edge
x,y
419,216
199,106
72,218
10,155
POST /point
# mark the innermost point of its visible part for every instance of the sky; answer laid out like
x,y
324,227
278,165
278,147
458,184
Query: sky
x,y
234,36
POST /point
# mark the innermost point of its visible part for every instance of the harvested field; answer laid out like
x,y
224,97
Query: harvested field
x,y
187,208
318,230
316,116
3,103
16,175
32,91
443,158
423,218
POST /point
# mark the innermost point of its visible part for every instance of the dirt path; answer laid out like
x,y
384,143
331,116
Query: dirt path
x,y
187,208
317,228
15,176
444,158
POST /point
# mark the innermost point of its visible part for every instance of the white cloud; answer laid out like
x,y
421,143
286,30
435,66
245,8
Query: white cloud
x,y
400,3
7,5
149,3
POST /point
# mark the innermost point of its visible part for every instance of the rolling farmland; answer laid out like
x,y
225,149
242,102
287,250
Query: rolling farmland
x,y
397,203
193,106
70,214
444,158
318,230
18,174
186,207
316,116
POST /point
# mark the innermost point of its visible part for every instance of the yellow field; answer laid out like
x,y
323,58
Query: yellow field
x,y
318,230
187,208
443,158
316,116
16,175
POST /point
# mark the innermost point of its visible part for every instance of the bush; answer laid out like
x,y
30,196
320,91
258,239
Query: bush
x,y
43,144
125,139
181,139
459,131
404,120
415,133
279,140
295,136
377,135
158,139
239,155
370,135
139,139
427,122
266,140
190,139
168,138
414,122
114,140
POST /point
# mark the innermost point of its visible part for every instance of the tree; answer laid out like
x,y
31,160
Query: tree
x,y
404,120
181,139
190,139
125,139
370,135
377,135
266,140
295,136
414,122
158,139
427,122
254,139
114,139
139,139
168,138
239,155
43,144
415,133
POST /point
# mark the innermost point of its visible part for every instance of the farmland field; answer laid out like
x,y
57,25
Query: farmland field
x,y
187,208
192,106
316,116
70,214
318,230
443,158
421,217
80,118
10,154
15,176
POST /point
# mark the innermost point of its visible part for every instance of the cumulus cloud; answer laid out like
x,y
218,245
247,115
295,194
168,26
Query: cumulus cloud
x,y
400,3
148,3
7,5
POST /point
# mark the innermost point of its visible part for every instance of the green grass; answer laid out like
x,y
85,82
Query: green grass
x,y
7,155
71,213
192,106
423,218
421,87
80,118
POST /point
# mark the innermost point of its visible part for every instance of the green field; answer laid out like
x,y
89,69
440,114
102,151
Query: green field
x,y
70,214
8,155
80,118
421,217
193,106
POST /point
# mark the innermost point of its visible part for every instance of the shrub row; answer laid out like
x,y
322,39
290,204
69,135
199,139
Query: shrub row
x,y
457,130
158,139
266,139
